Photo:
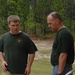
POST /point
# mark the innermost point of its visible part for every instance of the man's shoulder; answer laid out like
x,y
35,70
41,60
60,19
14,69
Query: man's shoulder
x,y
64,31
25,34
5,34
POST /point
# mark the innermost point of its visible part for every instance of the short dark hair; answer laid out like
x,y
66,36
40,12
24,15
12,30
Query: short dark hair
x,y
56,15
13,18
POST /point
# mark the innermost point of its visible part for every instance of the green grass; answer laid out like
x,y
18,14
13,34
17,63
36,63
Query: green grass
x,y
44,51
41,67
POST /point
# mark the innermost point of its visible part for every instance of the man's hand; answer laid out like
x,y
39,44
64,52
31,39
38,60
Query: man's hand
x,y
27,70
4,66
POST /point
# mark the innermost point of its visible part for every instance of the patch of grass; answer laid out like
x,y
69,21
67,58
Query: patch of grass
x,y
41,67
44,51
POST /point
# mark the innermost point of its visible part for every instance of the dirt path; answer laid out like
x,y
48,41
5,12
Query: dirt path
x,y
44,48
43,44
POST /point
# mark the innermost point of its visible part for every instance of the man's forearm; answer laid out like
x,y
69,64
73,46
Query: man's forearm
x,y
1,57
31,59
62,62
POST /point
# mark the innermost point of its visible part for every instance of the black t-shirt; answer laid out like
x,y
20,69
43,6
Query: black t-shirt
x,y
16,49
63,43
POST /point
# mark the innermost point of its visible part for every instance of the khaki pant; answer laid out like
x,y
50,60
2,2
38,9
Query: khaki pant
x,y
8,73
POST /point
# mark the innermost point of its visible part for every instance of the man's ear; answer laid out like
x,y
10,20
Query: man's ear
x,y
57,21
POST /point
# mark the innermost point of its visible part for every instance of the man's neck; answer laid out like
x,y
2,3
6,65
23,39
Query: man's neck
x,y
15,33
62,26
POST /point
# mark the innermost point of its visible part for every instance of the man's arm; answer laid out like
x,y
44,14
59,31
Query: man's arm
x,y
30,61
4,64
1,57
62,62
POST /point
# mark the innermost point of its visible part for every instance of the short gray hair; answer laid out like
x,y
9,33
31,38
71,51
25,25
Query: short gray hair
x,y
56,15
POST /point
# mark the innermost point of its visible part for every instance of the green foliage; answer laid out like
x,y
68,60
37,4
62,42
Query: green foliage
x,y
33,14
3,26
41,11
11,7
30,19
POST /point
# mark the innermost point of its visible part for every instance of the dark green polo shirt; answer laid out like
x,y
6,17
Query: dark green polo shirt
x,y
16,49
63,43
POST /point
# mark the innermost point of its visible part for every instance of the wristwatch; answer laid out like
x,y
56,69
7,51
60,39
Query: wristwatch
x,y
59,74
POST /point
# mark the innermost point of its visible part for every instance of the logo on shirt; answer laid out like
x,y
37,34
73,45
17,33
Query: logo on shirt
x,y
19,40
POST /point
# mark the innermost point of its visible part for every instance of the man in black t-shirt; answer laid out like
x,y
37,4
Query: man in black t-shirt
x,y
19,50
62,56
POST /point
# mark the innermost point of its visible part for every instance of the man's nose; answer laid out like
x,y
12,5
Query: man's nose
x,y
49,26
15,27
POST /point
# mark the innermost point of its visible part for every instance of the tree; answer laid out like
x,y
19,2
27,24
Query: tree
x,y
41,11
3,16
69,4
30,24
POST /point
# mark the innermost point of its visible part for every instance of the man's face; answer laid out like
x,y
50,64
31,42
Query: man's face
x,y
14,27
52,23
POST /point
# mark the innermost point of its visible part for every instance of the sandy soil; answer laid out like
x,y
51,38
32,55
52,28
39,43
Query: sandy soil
x,y
44,48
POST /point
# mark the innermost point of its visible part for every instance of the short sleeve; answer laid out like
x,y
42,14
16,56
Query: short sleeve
x,y
31,46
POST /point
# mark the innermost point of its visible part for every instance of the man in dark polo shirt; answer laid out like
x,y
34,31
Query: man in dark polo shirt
x,y
62,56
19,50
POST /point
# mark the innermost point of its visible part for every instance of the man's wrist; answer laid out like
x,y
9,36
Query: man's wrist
x,y
59,74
